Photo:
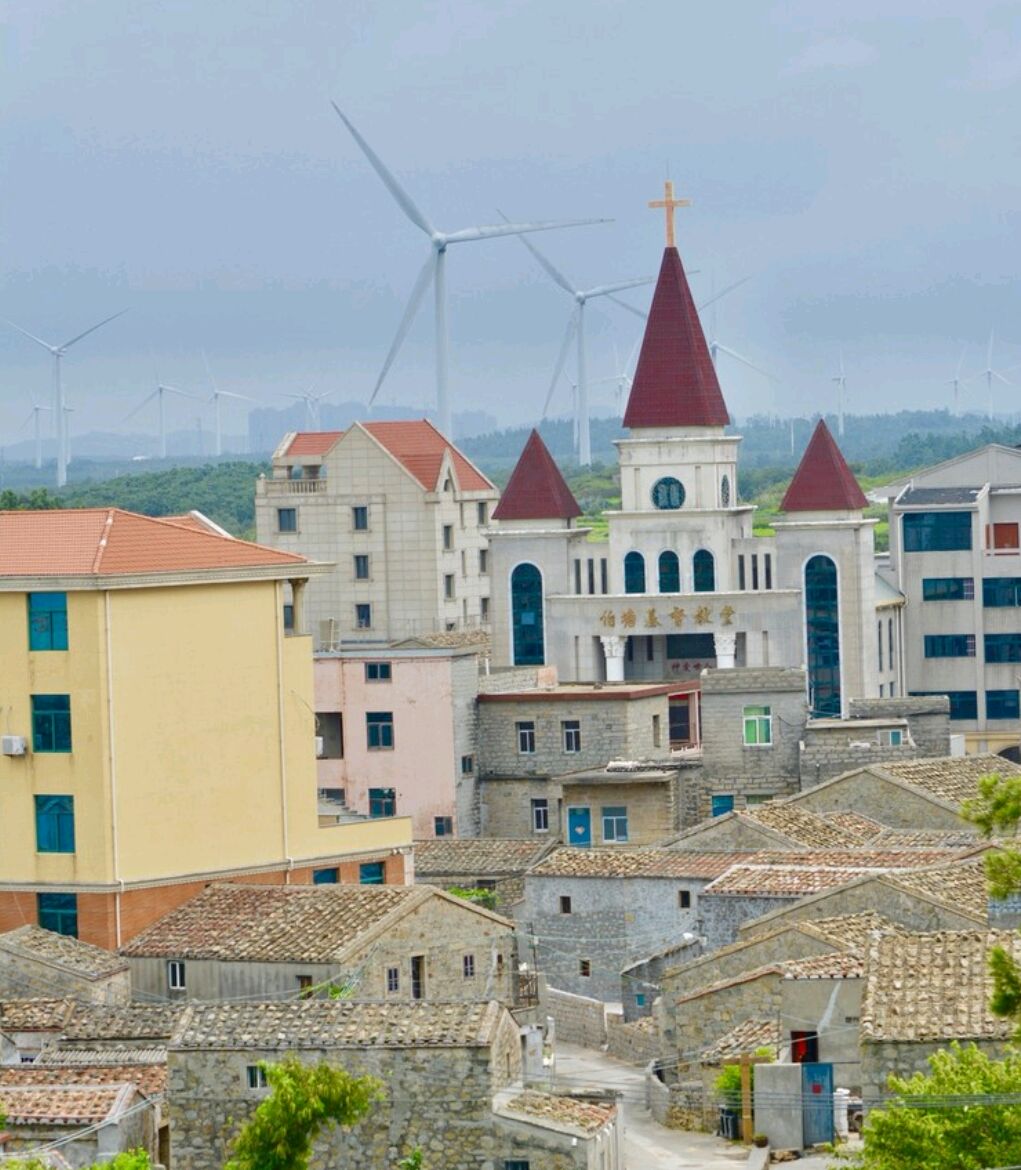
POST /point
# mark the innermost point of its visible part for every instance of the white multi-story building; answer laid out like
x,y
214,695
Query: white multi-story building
x,y
402,516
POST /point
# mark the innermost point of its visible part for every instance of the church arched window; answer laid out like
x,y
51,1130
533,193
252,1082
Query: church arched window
x,y
822,635
669,573
634,573
526,616
704,571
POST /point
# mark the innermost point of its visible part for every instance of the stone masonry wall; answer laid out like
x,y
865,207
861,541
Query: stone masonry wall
x,y
464,677
700,1022
928,718
826,756
890,804
881,1060
652,809
23,977
722,915
634,1043
579,1020
507,807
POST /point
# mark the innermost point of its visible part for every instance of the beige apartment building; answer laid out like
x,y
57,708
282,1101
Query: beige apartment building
x,y
401,515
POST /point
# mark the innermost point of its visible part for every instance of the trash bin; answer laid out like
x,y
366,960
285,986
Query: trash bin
x,y
730,1123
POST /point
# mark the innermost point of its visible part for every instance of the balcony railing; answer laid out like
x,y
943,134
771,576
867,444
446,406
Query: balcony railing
x,y
294,487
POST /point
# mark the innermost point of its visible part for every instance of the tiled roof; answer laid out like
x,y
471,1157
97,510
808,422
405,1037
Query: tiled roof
x,y
61,1105
952,779
602,863
420,447
584,1115
324,1023
33,1015
312,442
248,923
838,965
675,384
960,884
536,490
934,987
744,1040
196,520
55,1055
105,541
134,1022
856,824
62,951
851,931
802,825
961,838
476,855
150,1078
782,881
823,482
864,858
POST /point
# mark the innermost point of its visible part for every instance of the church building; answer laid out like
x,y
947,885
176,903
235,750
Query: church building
x,y
682,582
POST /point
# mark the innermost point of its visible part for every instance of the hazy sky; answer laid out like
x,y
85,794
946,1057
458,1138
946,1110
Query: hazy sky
x,y
859,162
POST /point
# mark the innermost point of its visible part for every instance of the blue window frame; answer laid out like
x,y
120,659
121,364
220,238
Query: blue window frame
x,y
704,572
948,589
47,621
287,519
937,531
1002,705
963,704
822,629
669,573
54,824
1001,592
379,730
722,804
370,873
527,616
51,723
382,802
1003,647
949,645
634,573
329,876
58,912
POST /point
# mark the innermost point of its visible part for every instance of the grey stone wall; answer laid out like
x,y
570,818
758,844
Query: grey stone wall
x,y
642,981
890,804
826,756
653,810
464,677
723,915
506,807
435,1097
578,1019
637,1042
23,977
698,1023
881,1059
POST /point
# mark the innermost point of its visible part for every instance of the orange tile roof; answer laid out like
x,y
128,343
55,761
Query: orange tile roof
x,y
312,442
150,1078
107,541
419,446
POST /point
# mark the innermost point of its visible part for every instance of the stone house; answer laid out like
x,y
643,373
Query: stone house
x,y
34,961
923,991
777,825
641,981
93,1122
951,895
489,863
594,912
766,883
27,1025
908,794
386,943
444,1068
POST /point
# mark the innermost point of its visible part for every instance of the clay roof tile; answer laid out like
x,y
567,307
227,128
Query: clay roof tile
x,y
823,482
536,490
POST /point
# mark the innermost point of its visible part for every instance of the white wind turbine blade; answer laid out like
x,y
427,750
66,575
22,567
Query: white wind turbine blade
x,y
960,363
729,289
91,329
233,394
625,305
744,361
491,232
572,325
417,293
604,290
145,401
403,199
37,340
552,271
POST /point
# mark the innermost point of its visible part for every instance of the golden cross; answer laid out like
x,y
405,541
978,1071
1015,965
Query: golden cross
x,y
670,204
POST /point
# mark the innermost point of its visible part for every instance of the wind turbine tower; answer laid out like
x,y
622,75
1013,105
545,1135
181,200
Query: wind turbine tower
x,y
434,272
37,409
955,381
989,374
59,414
841,381
160,393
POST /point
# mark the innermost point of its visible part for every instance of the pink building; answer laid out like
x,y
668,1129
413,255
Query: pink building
x,y
398,732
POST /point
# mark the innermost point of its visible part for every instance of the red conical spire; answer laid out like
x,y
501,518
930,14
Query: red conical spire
x,y
823,481
675,383
536,490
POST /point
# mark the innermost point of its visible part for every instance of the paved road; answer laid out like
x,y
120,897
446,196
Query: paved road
x,y
648,1145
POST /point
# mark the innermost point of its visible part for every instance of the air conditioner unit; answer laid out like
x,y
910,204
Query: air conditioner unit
x,y
320,747
13,745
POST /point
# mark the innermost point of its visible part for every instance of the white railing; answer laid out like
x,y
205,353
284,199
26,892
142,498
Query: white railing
x,y
294,487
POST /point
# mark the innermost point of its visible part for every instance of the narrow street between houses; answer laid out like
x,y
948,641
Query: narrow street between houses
x,y
647,1144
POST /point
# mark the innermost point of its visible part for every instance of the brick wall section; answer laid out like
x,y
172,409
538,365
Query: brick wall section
x,y
579,1020
832,754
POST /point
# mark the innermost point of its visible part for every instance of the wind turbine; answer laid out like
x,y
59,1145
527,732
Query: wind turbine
x,y
159,393
33,417
576,327
214,398
841,381
59,418
955,381
312,402
434,272
989,374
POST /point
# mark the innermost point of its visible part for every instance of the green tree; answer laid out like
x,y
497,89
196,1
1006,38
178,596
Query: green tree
x,y
306,1099
132,1160
923,1128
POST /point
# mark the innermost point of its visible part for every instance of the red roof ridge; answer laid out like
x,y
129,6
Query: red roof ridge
x,y
823,482
422,457
104,539
536,489
675,383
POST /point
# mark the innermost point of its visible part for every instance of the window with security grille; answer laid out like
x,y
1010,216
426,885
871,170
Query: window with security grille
x,y
468,966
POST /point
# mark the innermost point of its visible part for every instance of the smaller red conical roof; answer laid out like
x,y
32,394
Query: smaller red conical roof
x,y
675,382
823,481
536,490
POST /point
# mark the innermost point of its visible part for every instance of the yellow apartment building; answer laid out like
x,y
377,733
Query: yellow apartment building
x,y
157,726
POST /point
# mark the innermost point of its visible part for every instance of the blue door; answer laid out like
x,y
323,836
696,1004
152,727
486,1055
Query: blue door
x,y
579,827
817,1103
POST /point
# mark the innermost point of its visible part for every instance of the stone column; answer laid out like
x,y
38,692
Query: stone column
x,y
725,644
298,601
613,651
